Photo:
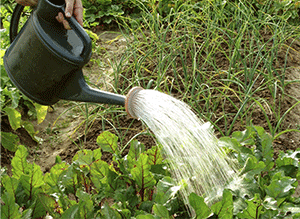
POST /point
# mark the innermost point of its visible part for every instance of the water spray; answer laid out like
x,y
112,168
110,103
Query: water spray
x,y
196,160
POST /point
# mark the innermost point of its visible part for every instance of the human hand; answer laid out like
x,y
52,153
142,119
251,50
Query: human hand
x,y
72,7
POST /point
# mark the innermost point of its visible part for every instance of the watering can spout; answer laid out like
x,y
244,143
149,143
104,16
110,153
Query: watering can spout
x,y
78,90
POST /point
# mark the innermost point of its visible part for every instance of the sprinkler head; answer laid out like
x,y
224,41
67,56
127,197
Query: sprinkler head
x,y
129,101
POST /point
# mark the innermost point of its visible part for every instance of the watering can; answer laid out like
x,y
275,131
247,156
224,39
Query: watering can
x,y
45,60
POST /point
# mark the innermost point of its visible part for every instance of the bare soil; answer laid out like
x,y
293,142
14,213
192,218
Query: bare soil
x,y
64,131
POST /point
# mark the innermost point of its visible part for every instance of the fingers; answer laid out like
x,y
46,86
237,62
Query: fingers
x,y
69,8
27,2
78,11
61,19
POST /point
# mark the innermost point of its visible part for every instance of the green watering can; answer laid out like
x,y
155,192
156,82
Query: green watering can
x,y
45,60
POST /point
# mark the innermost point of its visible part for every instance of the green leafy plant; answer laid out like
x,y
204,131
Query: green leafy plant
x,y
287,9
267,185
105,11
84,188
139,184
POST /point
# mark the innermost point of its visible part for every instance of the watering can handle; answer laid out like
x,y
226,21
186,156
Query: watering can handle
x,y
14,23
82,34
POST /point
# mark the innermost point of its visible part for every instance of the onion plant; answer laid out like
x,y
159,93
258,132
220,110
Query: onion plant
x,y
226,59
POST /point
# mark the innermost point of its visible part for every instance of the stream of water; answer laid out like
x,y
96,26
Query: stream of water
x,y
196,159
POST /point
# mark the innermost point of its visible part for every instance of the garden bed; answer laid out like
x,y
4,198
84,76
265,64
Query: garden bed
x,y
240,72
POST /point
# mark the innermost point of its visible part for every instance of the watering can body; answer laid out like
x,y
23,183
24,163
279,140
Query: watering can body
x,y
45,60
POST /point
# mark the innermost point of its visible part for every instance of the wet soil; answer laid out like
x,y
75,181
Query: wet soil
x,y
64,130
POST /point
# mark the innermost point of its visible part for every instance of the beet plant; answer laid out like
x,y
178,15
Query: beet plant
x,y
139,184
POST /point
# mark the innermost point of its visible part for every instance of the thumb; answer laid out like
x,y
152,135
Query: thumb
x,y
69,8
